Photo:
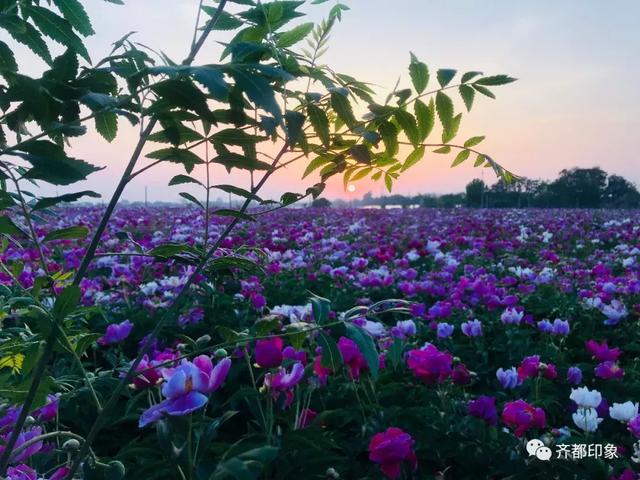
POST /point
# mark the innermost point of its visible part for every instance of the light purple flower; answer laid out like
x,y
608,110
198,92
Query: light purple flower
x,y
545,326
561,327
116,332
508,378
21,472
404,328
472,328
445,330
283,380
574,375
186,388
511,316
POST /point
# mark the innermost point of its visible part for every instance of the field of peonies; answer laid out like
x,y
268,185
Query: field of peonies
x,y
328,344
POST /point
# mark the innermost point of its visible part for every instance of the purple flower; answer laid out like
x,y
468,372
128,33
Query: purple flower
x,y
574,375
258,301
116,332
508,378
21,472
283,380
268,352
560,327
445,330
404,328
484,407
472,328
24,437
511,316
186,388
49,411
634,426
608,370
291,353
545,326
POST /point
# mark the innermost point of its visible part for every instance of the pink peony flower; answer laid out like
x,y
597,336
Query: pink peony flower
x,y
268,352
430,364
352,357
390,448
522,416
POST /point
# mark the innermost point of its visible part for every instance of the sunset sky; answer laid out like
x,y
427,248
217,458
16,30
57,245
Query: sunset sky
x,y
576,102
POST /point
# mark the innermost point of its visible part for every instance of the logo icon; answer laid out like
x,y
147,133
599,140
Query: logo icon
x,y
536,448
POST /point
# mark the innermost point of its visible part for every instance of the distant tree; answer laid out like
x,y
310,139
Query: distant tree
x,y
579,188
474,193
321,203
620,193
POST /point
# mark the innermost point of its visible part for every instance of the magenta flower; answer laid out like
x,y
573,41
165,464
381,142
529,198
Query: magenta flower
x,y
116,332
460,374
522,416
484,408
25,436
306,417
21,472
390,449
430,364
283,380
529,367
352,357
608,370
268,352
186,388
602,352
49,411
634,426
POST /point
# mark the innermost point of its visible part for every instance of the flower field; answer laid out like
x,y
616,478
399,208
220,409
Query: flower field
x,y
350,344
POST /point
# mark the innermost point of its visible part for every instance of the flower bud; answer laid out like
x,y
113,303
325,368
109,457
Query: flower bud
x,y
331,473
29,421
221,353
71,445
203,340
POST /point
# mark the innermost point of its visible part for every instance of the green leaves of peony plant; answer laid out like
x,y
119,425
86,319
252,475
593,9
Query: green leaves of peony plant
x,y
266,103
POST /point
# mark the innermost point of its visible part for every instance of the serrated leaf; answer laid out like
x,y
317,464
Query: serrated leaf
x,y
360,153
480,159
293,36
8,227
75,14
293,122
320,123
494,80
176,155
7,59
57,28
259,91
235,160
425,116
445,75
469,76
107,125
484,91
342,107
461,157
444,150
389,134
181,179
314,164
26,34
192,199
449,133
213,79
468,94
419,73
184,94
408,124
388,182
66,301
225,212
69,233
444,107
473,141
47,202
233,136
413,158
241,192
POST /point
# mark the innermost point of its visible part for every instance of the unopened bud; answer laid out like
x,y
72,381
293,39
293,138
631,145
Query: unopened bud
x,y
71,445
203,340
221,353
29,421
331,473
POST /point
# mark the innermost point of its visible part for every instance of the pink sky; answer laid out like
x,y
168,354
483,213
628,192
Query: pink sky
x,y
575,104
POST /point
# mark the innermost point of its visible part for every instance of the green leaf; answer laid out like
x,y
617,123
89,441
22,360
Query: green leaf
x,y
360,153
75,14
444,107
168,250
445,76
320,123
184,94
241,192
26,34
320,307
7,59
361,174
107,125
331,356
259,91
213,79
226,21
449,133
484,91
66,301
461,157
425,115
473,141
389,134
408,124
467,93
480,159
235,160
177,155
180,179
293,36
419,73
176,134
8,227
413,158
192,199
366,346
388,182
494,80
314,165
444,150
342,107
294,122
57,28
469,76
47,202
68,233
234,136
225,212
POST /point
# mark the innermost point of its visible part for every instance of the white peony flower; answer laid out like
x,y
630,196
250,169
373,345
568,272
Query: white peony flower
x,y
587,419
586,398
623,412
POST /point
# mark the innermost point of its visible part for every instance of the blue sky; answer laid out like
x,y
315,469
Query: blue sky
x,y
576,102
